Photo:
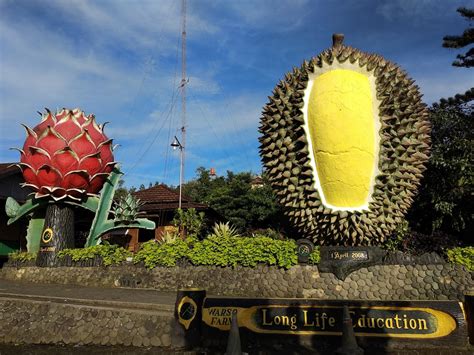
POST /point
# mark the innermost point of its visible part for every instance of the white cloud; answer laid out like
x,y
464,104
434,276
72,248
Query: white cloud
x,y
419,9
280,16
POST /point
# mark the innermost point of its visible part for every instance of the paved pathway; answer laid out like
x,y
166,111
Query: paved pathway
x,y
118,297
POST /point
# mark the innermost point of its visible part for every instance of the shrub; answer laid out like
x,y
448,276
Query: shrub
x,y
154,254
463,256
110,254
224,230
315,256
245,251
268,232
396,241
22,256
190,221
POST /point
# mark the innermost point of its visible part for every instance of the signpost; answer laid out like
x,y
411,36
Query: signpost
x,y
397,324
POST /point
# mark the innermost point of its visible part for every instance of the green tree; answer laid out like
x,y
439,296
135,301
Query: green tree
x,y
463,40
445,203
234,199
121,191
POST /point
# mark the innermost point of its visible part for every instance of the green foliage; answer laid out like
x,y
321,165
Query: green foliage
x,y
395,241
161,254
463,256
110,254
121,191
315,256
234,199
245,251
127,209
460,41
219,251
21,256
224,230
268,232
169,237
445,199
189,220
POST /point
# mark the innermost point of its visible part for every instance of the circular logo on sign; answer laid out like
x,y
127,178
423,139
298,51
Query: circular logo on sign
x,y
304,247
187,310
47,235
304,250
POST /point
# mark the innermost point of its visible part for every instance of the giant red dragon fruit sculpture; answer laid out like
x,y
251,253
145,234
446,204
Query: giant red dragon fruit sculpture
x,y
66,155
67,159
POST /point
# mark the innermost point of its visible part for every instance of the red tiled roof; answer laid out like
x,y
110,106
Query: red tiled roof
x,y
7,169
257,180
161,197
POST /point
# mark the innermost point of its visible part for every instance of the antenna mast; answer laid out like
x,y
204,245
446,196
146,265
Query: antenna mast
x,y
183,95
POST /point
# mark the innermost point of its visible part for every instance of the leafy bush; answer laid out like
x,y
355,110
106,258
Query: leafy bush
x,y
110,254
396,240
224,230
190,221
245,251
418,243
154,254
268,232
315,256
463,256
21,256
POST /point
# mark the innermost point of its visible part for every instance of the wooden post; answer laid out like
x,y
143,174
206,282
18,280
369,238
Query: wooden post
x,y
133,244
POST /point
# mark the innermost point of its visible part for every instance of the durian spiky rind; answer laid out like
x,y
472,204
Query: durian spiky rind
x,y
404,151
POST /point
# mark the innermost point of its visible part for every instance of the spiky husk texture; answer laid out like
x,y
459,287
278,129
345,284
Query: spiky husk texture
x,y
127,209
66,155
404,149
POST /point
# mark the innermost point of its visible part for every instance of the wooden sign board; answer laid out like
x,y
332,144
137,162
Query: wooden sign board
x,y
397,324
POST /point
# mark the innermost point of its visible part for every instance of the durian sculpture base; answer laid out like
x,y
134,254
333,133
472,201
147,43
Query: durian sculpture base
x,y
342,260
57,234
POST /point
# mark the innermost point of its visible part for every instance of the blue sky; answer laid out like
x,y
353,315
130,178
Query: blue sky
x,y
120,60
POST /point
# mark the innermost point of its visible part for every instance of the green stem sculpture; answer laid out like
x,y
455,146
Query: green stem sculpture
x,y
100,206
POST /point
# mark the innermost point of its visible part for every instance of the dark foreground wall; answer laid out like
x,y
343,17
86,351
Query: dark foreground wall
x,y
27,320
382,282
40,322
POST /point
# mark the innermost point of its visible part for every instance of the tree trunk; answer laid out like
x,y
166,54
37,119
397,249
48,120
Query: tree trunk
x,y
58,233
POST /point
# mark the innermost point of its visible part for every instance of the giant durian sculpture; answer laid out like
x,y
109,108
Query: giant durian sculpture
x,y
344,141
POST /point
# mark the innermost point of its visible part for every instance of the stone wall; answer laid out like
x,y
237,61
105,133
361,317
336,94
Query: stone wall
x,y
384,282
39,322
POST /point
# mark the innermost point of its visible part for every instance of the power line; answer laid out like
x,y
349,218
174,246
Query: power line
x,y
147,70
173,102
167,149
223,145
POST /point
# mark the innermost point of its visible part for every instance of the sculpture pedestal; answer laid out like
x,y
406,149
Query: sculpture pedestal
x,y
341,261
